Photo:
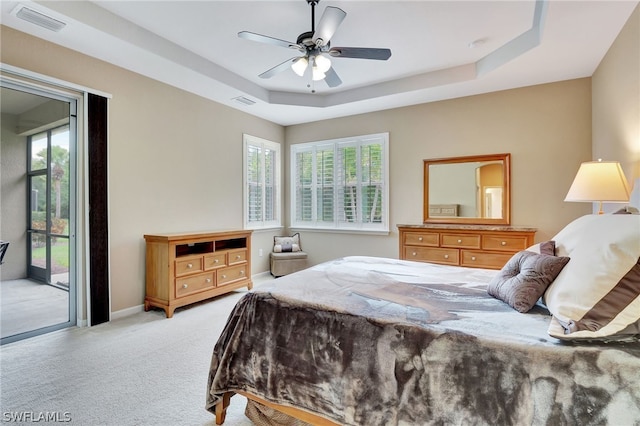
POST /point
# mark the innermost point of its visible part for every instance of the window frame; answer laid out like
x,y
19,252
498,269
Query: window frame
x,y
262,145
337,225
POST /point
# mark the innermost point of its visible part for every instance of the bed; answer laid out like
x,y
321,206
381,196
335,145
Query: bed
x,y
375,341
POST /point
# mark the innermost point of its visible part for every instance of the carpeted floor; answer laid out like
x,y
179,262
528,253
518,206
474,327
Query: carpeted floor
x,y
140,370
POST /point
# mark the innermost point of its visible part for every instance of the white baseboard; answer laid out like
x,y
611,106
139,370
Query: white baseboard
x,y
261,275
136,309
126,312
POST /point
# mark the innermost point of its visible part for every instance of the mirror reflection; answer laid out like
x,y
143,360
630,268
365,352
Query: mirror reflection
x,y
471,189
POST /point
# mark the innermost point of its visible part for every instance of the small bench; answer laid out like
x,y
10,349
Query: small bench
x,y
287,262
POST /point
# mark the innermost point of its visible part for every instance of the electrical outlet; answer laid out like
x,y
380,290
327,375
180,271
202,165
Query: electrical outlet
x,y
260,252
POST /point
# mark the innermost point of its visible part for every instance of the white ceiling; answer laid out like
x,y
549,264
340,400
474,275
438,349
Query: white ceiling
x,y
194,45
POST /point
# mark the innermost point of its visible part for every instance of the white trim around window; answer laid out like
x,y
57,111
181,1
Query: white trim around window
x,y
341,184
262,187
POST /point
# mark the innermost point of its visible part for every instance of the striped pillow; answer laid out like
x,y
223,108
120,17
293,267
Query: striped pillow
x,y
597,295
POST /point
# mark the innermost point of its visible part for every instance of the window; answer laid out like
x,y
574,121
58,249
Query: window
x,y
261,183
341,184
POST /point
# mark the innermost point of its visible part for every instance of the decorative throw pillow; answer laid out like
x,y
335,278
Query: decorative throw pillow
x,y
287,244
545,247
548,247
524,279
597,296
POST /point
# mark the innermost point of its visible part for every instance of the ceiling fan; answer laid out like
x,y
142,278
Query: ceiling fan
x,y
316,48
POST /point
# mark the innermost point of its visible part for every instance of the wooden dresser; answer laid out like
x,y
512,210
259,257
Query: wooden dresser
x,y
476,246
186,268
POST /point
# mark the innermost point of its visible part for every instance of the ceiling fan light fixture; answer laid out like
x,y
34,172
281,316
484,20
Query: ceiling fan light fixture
x,y
322,63
316,48
299,66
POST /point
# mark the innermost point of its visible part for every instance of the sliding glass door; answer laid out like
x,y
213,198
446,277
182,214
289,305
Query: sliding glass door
x,y
48,200
38,206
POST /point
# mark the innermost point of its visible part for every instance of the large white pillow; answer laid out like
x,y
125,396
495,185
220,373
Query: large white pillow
x,y
597,295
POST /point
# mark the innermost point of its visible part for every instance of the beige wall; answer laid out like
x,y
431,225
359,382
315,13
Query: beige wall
x,y
616,105
546,128
175,159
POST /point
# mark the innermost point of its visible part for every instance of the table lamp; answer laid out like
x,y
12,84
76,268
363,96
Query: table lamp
x,y
599,181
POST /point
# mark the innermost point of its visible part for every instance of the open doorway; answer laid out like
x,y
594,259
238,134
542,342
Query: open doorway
x,y
37,151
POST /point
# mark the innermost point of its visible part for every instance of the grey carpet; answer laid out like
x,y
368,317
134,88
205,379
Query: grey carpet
x,y
140,370
27,305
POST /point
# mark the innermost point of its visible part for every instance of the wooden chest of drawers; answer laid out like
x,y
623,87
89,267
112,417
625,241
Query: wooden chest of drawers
x,y
186,268
476,246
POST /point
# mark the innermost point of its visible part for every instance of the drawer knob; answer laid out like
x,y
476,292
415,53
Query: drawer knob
x,y
420,239
184,286
413,254
459,241
224,276
446,256
208,280
504,243
216,261
238,256
473,258
241,272
189,265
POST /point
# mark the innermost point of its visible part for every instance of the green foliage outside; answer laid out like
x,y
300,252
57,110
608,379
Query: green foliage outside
x,y
59,256
58,212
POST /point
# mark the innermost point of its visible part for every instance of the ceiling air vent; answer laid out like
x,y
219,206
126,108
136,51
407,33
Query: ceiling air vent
x,y
244,100
40,19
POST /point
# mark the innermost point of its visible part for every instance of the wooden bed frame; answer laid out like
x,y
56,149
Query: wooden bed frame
x,y
305,416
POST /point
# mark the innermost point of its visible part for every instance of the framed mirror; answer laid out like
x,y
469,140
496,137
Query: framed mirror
x,y
468,190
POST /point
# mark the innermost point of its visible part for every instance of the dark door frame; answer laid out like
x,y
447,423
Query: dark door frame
x,y
98,210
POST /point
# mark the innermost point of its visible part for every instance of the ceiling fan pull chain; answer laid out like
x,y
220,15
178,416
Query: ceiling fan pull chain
x,y
312,84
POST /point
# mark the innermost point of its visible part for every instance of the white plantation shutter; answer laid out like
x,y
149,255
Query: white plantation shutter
x,y
261,182
341,184
254,185
324,184
347,188
270,185
303,178
373,185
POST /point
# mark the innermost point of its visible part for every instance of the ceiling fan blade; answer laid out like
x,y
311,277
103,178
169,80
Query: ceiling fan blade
x,y
278,68
360,53
332,79
329,23
266,39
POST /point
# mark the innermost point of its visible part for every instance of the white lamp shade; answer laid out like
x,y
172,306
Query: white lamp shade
x,y
599,181
318,74
299,66
322,63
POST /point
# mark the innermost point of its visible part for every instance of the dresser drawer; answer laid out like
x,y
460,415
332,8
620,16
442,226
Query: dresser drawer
x,y
194,284
422,239
215,260
229,275
504,243
434,255
460,241
236,256
190,265
479,259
